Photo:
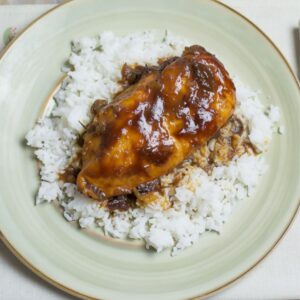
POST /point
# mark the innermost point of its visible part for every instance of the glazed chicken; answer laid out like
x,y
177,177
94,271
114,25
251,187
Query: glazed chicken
x,y
163,115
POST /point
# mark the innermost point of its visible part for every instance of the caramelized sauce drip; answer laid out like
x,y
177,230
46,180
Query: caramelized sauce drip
x,y
69,174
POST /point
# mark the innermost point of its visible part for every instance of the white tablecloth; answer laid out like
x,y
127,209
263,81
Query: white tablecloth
x,y
278,276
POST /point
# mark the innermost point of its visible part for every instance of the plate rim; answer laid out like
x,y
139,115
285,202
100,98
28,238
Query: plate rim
x,y
217,289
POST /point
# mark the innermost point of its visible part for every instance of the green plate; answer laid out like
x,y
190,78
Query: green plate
x,y
86,265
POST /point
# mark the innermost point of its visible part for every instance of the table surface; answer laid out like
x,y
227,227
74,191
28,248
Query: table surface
x,y
278,276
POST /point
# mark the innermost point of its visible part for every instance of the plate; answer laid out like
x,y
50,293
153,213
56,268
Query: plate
x,y
87,266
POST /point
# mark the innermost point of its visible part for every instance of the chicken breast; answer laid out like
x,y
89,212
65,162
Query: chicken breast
x,y
166,113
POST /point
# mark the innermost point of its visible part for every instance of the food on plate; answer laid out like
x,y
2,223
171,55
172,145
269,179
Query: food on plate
x,y
165,114
151,139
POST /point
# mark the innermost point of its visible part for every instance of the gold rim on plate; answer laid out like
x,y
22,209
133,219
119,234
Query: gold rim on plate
x,y
75,293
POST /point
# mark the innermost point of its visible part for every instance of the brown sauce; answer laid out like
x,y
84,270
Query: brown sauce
x,y
69,174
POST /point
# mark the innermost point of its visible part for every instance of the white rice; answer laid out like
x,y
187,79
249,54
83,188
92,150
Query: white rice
x,y
202,202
